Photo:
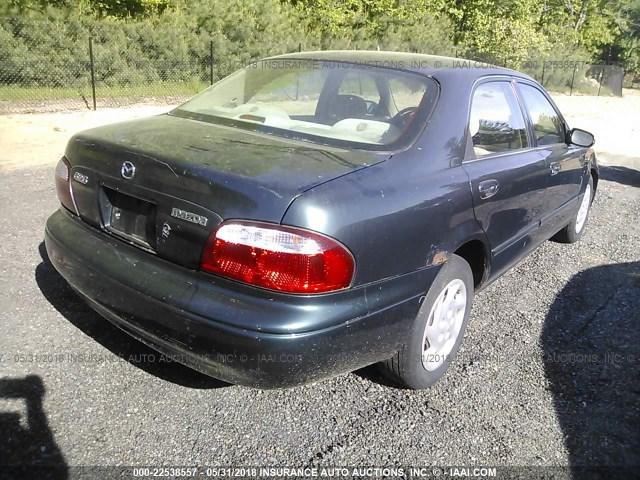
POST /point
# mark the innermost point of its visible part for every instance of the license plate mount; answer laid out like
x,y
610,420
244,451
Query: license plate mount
x,y
129,217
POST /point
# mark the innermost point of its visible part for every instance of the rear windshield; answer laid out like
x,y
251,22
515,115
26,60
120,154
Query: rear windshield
x,y
336,103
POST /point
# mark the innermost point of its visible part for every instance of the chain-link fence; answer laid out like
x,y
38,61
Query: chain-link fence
x,y
102,79
80,63
577,77
631,80
90,73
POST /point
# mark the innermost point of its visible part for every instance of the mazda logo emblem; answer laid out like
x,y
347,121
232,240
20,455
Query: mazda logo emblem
x,y
128,170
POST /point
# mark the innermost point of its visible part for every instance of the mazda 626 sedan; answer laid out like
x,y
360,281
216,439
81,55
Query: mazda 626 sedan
x,y
318,212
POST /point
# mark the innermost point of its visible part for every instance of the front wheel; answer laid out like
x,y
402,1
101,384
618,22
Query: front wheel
x,y
573,232
437,330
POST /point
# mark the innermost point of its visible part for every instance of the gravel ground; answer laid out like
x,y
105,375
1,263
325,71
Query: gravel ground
x,y
548,374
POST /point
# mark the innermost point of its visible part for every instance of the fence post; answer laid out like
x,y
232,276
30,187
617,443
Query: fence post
x,y
211,62
543,65
93,73
573,77
300,47
600,82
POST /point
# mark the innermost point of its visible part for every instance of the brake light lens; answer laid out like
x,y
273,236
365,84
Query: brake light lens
x,y
63,185
276,257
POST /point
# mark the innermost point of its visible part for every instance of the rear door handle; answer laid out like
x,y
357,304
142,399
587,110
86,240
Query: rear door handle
x,y
488,188
555,168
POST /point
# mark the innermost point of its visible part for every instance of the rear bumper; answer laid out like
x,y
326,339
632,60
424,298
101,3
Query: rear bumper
x,y
231,331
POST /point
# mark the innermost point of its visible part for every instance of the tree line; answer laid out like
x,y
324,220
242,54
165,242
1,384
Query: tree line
x,y
173,34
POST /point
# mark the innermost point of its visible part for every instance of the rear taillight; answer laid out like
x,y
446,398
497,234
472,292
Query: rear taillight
x,y
279,258
63,185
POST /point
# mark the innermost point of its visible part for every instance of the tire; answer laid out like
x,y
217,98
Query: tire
x,y
420,363
573,232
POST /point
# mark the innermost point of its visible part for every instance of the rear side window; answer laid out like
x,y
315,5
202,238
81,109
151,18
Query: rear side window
x,y
546,122
496,123
406,93
361,85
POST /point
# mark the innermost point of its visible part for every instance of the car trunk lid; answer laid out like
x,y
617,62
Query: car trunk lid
x,y
164,183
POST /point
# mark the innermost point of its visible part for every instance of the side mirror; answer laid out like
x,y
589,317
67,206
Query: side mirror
x,y
581,138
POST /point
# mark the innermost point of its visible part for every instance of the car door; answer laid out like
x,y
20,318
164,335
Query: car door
x,y
507,176
566,163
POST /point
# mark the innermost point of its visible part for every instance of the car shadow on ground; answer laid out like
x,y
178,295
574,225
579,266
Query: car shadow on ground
x,y
591,344
373,374
59,294
622,175
27,446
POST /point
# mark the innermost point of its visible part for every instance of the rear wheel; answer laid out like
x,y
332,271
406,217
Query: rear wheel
x,y
437,330
573,232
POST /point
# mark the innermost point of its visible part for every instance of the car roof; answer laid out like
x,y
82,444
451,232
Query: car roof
x,y
432,65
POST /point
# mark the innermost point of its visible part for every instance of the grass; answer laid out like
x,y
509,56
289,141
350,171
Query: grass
x,y
16,93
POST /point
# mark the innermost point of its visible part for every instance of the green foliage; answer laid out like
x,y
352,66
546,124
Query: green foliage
x,y
125,8
411,25
45,42
49,47
626,47
243,31
427,33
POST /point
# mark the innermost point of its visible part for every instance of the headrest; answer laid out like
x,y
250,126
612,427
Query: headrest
x,y
347,106
474,126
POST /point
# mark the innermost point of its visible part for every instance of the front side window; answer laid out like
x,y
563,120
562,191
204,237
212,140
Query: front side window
x,y
326,102
496,123
546,121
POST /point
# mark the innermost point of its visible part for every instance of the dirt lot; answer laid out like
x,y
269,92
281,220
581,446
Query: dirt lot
x,y
38,139
548,374
614,121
